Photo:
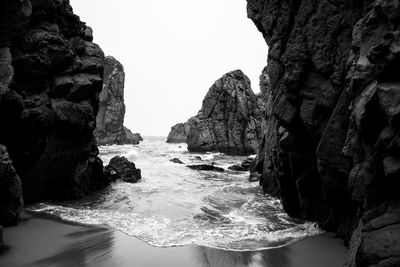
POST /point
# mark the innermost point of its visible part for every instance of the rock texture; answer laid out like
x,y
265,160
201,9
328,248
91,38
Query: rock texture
x,y
120,168
206,167
179,133
50,79
110,127
10,191
229,120
330,146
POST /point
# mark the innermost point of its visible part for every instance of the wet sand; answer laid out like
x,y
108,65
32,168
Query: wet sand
x,y
43,241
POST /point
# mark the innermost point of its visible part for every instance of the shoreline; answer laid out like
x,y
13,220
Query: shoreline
x,y
45,240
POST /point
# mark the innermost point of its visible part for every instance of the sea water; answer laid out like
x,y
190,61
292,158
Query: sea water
x,y
173,205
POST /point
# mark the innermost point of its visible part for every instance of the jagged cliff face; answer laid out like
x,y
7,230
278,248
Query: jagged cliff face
x,y
229,120
110,118
330,148
50,79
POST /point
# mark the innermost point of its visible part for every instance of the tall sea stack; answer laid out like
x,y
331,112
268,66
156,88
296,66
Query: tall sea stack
x,y
50,79
229,120
330,146
110,127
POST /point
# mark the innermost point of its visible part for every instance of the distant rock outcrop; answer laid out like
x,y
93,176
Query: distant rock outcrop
x,y
229,120
110,127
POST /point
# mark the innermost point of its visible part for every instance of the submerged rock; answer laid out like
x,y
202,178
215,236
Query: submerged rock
x,y
110,127
242,167
11,202
122,168
176,160
229,120
330,145
205,167
238,168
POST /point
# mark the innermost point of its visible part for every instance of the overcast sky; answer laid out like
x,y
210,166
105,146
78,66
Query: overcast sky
x,y
172,52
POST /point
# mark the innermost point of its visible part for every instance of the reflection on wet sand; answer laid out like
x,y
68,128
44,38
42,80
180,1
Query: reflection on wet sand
x,y
45,242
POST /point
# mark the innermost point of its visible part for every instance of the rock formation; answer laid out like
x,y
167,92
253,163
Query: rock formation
x,y
50,79
120,168
110,127
179,133
330,146
229,120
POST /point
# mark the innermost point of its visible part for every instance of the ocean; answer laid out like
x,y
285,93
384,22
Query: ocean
x,y
175,206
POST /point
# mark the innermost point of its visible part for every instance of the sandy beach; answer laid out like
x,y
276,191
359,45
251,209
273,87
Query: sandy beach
x,y
43,241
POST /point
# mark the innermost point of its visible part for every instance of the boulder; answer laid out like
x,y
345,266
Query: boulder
x,y
123,169
110,127
176,160
242,167
205,167
229,120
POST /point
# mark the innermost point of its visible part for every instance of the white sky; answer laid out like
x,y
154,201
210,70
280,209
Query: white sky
x,y
172,52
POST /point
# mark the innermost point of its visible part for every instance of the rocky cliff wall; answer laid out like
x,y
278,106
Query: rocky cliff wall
x,y
229,120
110,118
50,79
330,146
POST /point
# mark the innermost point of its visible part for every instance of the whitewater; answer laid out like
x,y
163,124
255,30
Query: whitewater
x,y
174,206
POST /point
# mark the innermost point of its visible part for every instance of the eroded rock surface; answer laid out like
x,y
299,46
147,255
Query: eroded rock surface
x,y
229,120
50,80
179,132
110,127
120,168
330,145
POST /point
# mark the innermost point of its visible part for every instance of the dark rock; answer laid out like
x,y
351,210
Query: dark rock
x,y
205,167
130,138
330,144
50,77
242,167
110,118
254,177
238,168
124,170
247,163
11,202
229,120
176,160
179,132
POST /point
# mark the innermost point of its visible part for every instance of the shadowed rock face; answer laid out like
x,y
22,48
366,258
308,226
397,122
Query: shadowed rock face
x,y
178,133
10,191
110,127
50,79
229,120
330,145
